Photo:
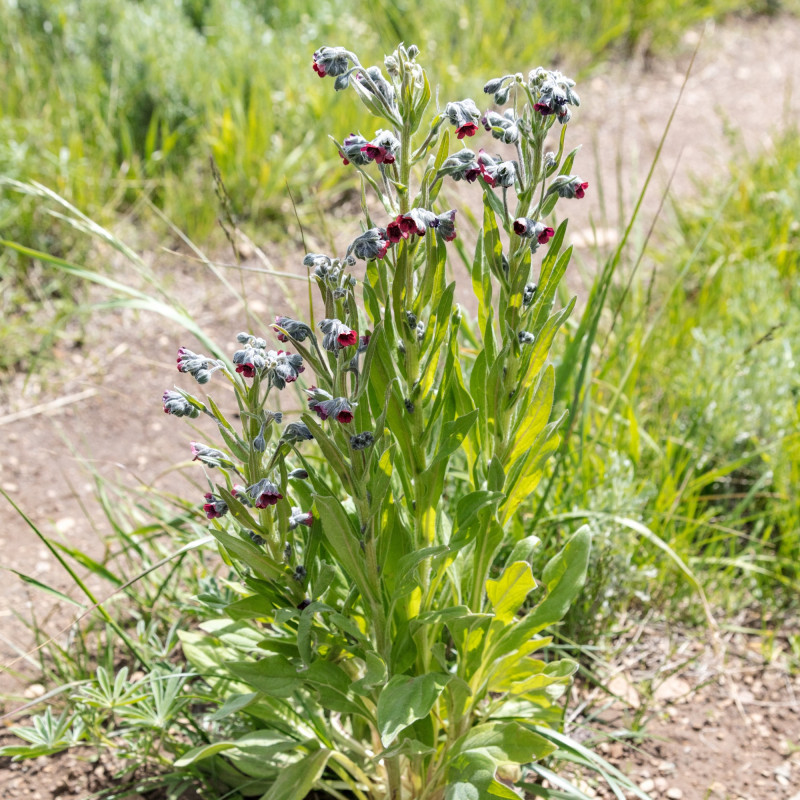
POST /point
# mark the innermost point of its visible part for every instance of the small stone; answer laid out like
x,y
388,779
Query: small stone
x,y
647,786
661,784
674,793
717,788
34,690
10,488
666,767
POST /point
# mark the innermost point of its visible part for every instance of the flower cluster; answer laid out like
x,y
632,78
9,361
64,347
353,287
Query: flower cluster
x,y
537,232
279,367
502,126
337,335
325,406
464,116
553,92
215,507
177,405
569,186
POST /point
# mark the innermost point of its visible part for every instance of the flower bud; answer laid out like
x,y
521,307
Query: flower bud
x,y
361,441
526,337
298,474
299,571
351,150
413,51
372,244
298,331
493,85
300,517
330,61
446,227
256,539
196,365
528,294
296,432
210,457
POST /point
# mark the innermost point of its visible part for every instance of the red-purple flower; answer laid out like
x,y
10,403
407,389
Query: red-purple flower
x,y
569,186
264,493
378,154
248,370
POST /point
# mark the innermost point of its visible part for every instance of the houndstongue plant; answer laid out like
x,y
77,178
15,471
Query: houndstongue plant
x,y
379,640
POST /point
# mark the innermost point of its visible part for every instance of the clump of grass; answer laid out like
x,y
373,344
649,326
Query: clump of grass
x,y
686,445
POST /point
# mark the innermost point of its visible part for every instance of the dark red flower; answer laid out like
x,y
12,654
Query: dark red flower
x,y
319,69
545,236
520,226
395,232
347,339
345,416
247,370
580,189
467,129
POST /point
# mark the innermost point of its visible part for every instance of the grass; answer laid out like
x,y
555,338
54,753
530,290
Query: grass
x,y
684,449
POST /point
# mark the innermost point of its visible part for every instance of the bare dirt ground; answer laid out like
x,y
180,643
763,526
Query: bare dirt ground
x,y
100,400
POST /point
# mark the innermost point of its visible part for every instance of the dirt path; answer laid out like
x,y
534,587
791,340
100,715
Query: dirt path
x,y
746,79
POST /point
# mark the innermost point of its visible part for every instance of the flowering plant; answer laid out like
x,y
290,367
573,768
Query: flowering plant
x,y
379,640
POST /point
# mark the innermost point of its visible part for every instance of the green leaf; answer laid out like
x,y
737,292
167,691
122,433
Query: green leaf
x,y
296,781
452,436
199,753
405,699
276,676
534,416
563,578
343,540
477,755
505,743
508,592
45,588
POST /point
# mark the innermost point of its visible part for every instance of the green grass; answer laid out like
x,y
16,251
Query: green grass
x,y
685,447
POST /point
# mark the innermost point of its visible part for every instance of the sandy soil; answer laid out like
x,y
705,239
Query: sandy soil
x,y
101,401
